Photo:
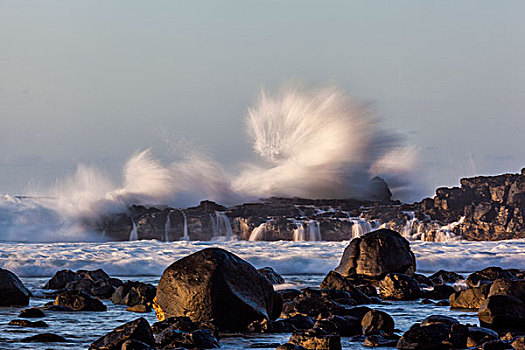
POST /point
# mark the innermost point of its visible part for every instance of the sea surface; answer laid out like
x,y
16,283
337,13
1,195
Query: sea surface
x,y
302,264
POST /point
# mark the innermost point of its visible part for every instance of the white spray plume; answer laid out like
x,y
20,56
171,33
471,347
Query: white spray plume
x,y
312,144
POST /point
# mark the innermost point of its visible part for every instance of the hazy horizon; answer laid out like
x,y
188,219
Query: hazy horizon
x,y
94,82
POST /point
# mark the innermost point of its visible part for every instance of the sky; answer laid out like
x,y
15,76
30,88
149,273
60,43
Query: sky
x,y
95,81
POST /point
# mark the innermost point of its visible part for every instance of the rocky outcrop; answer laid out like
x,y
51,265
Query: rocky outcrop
x,y
137,296
79,301
435,332
397,286
12,290
317,339
376,254
96,283
216,285
502,313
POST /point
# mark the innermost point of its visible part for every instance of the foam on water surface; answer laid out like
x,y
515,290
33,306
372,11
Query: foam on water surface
x,y
150,258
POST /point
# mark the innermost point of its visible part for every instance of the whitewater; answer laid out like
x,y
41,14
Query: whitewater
x,y
150,258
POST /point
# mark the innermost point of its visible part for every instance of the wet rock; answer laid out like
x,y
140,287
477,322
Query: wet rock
x,y
184,324
345,326
369,290
59,308
172,338
488,275
445,277
375,321
27,323
434,336
288,294
138,330
480,335
137,296
31,313
423,280
44,338
60,279
335,281
502,313
189,287
265,326
96,282
376,254
508,287
289,346
440,291
272,276
12,290
396,286
496,345
376,340
471,298
426,301
316,339
443,303
439,319
301,321
313,306
79,301
132,344
519,343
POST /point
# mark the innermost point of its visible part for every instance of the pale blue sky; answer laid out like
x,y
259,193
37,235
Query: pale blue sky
x,y
94,81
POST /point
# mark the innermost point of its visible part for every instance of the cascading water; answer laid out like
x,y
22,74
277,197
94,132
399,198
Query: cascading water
x,y
185,235
133,235
299,234
258,233
221,226
314,231
409,225
167,227
360,227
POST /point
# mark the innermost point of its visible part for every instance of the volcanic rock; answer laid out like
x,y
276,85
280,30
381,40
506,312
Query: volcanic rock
x,y
316,339
376,254
138,330
336,281
214,284
471,298
502,313
12,290
375,321
272,276
31,313
397,286
79,301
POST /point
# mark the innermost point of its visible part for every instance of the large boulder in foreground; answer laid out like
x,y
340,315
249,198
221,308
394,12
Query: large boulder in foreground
x,y
216,285
12,290
376,254
502,313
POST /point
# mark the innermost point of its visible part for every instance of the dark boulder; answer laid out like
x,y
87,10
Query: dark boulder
x,y
488,275
376,254
79,301
496,345
290,346
376,340
345,326
266,326
480,335
508,287
272,276
397,286
31,313
471,298
377,322
434,336
502,313
440,291
138,330
445,277
27,323
316,339
12,290
44,338
60,279
214,284
184,324
199,339
335,281
137,296
96,282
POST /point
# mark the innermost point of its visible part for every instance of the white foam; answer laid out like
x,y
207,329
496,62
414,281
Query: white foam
x,y
144,258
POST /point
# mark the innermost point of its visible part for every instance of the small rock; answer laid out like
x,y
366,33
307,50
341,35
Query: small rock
x,y
335,281
375,321
44,338
79,301
316,339
445,277
271,275
140,308
443,303
27,323
290,346
471,298
172,338
32,313
480,335
345,326
376,340
396,286
426,301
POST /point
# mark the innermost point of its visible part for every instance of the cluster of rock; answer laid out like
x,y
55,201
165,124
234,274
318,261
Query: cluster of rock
x,y
214,291
483,208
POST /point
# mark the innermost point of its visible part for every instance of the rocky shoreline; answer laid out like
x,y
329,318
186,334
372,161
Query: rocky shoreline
x,y
212,292
482,208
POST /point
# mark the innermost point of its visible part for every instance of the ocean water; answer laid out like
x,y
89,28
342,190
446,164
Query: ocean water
x,y
302,264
